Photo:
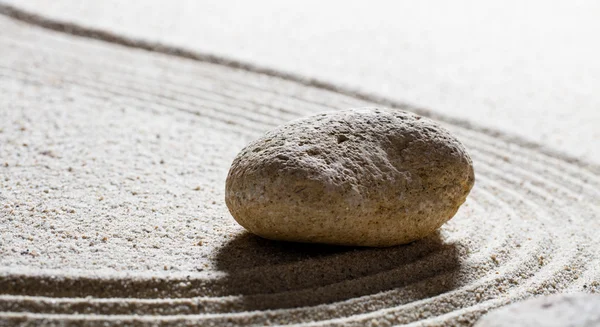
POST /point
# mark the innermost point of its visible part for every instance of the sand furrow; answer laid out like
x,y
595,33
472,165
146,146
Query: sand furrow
x,y
115,161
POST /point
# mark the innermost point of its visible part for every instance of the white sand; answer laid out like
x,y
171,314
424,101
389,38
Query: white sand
x,y
112,171
527,68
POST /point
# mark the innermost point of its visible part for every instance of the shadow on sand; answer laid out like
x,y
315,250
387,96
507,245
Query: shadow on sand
x,y
272,274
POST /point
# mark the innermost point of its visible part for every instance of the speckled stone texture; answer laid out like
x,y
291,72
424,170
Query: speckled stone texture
x,y
366,177
562,310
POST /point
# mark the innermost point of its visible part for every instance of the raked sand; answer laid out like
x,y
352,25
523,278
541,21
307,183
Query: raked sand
x,y
112,170
527,68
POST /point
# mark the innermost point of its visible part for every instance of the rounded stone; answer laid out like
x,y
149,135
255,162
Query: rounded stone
x,y
564,310
366,177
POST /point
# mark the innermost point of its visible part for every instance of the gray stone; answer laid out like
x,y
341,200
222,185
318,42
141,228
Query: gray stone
x,y
561,310
367,177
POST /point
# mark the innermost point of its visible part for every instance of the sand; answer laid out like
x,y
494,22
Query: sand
x,y
528,69
112,171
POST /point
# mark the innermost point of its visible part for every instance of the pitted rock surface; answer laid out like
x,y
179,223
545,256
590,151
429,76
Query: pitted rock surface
x,y
367,177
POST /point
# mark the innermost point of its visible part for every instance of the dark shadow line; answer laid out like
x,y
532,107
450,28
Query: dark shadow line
x,y
270,275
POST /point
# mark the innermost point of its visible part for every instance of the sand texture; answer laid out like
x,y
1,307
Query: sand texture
x,y
112,172
558,310
510,65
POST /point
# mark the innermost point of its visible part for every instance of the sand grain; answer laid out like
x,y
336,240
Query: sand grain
x,y
141,130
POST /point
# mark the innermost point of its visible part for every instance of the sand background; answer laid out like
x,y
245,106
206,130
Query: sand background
x,y
527,68
113,167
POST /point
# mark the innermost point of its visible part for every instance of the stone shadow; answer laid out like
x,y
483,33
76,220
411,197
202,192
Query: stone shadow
x,y
273,274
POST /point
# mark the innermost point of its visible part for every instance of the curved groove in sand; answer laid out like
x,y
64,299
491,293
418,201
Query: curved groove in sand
x,y
527,203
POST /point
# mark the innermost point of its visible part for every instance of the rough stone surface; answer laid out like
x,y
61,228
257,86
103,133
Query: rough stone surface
x,y
562,310
367,177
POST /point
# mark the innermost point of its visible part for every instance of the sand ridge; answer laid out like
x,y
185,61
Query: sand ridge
x,y
130,149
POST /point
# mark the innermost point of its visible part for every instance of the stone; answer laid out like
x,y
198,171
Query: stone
x,y
359,177
559,310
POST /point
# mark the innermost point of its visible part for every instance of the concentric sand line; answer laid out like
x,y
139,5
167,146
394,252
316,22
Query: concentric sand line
x,y
118,217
